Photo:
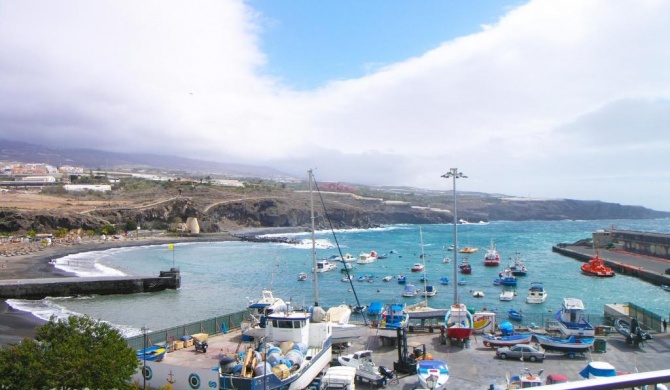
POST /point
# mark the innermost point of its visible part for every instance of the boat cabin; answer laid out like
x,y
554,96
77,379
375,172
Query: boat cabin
x,y
571,320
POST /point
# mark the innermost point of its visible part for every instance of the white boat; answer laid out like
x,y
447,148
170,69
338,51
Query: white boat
x,y
417,267
421,310
387,278
571,320
409,291
348,258
325,266
343,331
366,370
367,258
347,278
478,294
525,380
432,374
302,276
429,291
258,310
506,295
446,260
536,293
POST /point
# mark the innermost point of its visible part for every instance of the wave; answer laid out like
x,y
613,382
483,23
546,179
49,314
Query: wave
x,y
88,263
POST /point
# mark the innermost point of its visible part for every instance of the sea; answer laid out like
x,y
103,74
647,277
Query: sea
x,y
219,278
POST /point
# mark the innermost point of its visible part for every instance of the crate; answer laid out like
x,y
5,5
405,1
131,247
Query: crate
x,y
177,345
188,343
200,336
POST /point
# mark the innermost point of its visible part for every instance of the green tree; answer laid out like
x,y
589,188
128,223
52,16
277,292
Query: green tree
x,y
76,353
131,226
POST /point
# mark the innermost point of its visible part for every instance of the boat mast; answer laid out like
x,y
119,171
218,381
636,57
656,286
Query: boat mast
x,y
311,207
423,257
454,174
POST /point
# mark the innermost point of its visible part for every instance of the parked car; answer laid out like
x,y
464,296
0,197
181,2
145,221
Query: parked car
x,y
519,351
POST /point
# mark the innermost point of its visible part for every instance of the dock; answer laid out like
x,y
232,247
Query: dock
x,y
74,286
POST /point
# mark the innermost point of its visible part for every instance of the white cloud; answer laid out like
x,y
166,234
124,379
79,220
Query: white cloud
x,y
527,106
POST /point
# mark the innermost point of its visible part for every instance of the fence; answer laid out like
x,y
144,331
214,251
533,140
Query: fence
x,y
221,324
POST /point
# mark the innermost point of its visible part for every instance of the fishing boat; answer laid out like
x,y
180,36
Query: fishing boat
x,y
302,277
596,267
429,291
434,371
517,267
465,266
394,316
536,293
506,295
492,257
495,341
417,267
571,320
324,266
507,278
343,331
401,279
444,280
459,322
409,291
631,331
514,315
154,353
571,344
375,309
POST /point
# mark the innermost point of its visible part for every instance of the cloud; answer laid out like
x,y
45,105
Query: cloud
x,y
554,97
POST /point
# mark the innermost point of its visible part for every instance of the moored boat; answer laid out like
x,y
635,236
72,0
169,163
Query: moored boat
x,y
417,267
410,291
536,293
258,310
401,279
478,294
506,295
325,266
571,320
518,267
302,277
507,278
468,249
387,278
367,258
514,315
429,291
492,257
465,266
596,267
444,280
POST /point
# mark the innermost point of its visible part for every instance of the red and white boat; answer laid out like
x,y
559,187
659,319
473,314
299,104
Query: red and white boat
x,y
459,322
417,267
465,267
492,257
596,267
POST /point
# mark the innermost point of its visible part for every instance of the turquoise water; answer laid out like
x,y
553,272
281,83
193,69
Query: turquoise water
x,y
219,278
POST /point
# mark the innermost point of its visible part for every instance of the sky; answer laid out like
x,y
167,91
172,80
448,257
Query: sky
x,y
537,98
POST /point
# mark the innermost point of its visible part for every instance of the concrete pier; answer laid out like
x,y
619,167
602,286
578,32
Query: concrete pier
x,y
73,286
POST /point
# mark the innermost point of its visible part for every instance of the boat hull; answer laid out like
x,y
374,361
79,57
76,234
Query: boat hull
x,y
571,344
505,341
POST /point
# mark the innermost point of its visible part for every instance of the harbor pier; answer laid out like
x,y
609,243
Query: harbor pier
x,y
73,286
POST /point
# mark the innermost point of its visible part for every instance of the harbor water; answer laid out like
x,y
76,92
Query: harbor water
x,y
221,277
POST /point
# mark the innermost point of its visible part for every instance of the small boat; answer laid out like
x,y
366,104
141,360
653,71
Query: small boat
x,y
461,282
536,293
347,267
435,371
444,280
571,320
417,267
468,249
387,278
518,268
367,258
401,279
514,315
631,331
382,256
525,380
362,278
492,258
347,258
375,309
409,291
495,341
155,353
571,344
465,266
325,266
450,247
347,278
423,278
596,267
506,295
459,322
497,282
359,309
665,288
478,294
302,276
430,291
507,278
446,260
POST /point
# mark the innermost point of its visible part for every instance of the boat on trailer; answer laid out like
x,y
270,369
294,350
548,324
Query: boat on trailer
x,y
495,341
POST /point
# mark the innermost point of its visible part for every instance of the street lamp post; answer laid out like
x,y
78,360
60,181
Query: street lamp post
x,y
144,358
454,174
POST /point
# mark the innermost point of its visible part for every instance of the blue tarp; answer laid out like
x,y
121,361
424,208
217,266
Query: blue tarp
x,y
598,370
375,308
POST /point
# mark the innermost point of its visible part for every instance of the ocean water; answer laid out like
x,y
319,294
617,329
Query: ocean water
x,y
220,278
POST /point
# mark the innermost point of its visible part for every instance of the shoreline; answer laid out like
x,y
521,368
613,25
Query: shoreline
x,y
15,325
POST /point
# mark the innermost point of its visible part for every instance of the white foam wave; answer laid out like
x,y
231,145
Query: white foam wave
x,y
88,263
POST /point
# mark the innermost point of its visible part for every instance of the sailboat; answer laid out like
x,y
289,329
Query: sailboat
x,y
458,319
421,309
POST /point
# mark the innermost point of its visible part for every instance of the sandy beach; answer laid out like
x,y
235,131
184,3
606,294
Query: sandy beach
x,y
29,261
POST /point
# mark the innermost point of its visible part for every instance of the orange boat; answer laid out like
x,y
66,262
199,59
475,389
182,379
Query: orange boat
x,y
596,267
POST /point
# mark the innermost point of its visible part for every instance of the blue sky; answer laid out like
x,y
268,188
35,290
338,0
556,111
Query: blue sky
x,y
537,98
309,43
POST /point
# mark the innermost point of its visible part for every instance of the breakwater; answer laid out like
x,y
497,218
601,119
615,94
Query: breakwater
x,y
74,286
